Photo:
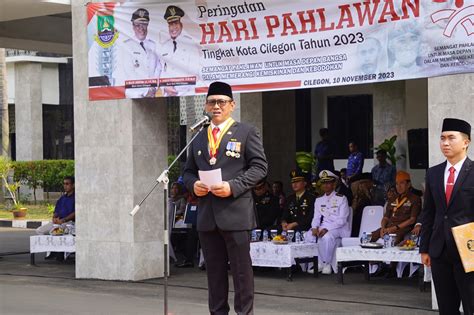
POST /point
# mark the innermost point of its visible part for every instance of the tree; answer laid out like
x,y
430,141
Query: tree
x,y
6,169
5,151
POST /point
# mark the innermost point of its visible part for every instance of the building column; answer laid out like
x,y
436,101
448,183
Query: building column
x,y
448,97
28,112
120,149
29,119
251,109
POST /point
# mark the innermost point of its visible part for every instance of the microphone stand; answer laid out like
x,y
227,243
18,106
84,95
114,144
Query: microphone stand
x,y
163,178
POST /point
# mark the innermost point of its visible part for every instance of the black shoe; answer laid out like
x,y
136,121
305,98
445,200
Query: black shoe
x,y
202,267
185,264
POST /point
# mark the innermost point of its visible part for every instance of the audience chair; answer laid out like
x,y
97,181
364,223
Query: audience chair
x,y
371,219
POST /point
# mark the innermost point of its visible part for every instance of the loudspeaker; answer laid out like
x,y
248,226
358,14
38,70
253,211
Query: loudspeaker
x,y
418,148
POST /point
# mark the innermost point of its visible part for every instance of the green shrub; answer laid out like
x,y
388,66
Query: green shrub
x,y
47,174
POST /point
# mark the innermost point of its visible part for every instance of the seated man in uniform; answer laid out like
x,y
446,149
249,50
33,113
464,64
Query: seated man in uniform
x,y
330,222
300,205
267,206
401,211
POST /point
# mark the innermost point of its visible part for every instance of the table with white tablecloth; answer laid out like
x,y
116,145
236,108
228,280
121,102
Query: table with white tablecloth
x,y
390,254
51,243
268,254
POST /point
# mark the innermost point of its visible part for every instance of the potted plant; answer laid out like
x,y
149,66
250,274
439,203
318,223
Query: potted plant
x,y
19,211
388,145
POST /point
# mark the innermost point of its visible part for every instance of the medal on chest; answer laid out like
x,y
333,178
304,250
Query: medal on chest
x,y
323,208
398,204
215,142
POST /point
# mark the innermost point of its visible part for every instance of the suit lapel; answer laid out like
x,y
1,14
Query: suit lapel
x,y
222,147
461,177
204,146
440,185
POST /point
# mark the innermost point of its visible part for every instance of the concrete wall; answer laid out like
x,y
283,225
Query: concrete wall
x,y
397,107
279,134
251,109
416,116
319,113
120,147
28,112
11,83
448,96
50,84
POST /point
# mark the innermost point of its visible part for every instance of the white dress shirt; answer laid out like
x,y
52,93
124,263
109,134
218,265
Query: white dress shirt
x,y
221,126
457,167
334,208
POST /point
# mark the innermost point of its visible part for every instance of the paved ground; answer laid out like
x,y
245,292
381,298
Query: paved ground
x,y
51,288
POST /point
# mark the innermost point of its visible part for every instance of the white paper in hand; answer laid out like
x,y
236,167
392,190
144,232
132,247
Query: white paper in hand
x,y
210,178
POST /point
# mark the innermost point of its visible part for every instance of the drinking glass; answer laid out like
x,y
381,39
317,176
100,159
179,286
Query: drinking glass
x,y
369,237
254,236
291,235
393,237
414,238
363,239
273,233
258,234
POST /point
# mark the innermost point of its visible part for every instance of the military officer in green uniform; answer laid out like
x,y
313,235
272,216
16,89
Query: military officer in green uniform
x,y
299,209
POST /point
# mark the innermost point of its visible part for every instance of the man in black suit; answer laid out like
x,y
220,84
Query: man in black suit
x,y
449,202
226,211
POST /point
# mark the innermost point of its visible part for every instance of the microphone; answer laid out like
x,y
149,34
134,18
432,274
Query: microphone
x,y
205,120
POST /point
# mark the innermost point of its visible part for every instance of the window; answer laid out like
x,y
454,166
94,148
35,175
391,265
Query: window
x,y
58,132
350,119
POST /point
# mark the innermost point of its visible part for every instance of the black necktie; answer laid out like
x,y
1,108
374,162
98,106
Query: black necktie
x,y
143,46
174,44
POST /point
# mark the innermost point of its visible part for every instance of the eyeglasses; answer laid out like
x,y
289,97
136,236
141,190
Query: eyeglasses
x,y
140,25
220,102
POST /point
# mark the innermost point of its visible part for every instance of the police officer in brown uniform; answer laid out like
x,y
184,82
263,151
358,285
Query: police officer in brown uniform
x,y
402,211
299,208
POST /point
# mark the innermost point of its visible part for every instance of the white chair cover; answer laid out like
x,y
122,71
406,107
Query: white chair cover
x,y
371,218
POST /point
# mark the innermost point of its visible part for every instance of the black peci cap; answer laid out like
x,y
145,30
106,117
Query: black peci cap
x,y
219,88
453,124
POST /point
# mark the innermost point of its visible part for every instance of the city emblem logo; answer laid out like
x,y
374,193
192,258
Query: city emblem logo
x,y
470,245
141,13
455,17
172,11
106,32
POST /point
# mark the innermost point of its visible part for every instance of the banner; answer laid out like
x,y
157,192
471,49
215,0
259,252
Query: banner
x,y
141,50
